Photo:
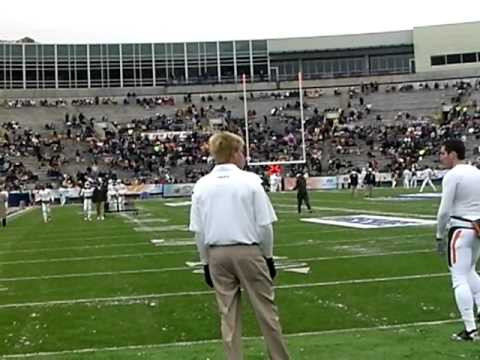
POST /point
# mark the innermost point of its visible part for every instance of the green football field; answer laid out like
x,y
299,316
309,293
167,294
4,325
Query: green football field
x,y
72,289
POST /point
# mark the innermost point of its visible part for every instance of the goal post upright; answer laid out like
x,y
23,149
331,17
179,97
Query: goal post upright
x,y
247,133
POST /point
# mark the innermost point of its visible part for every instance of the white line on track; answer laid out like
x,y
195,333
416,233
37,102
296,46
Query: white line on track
x,y
185,344
183,268
141,298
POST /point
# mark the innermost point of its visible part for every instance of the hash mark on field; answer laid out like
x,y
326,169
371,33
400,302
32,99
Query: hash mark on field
x,y
132,299
145,221
161,228
218,341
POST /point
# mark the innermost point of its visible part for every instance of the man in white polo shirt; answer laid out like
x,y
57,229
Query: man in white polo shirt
x,y
232,218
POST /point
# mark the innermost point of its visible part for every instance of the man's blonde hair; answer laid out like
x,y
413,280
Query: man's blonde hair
x,y
223,145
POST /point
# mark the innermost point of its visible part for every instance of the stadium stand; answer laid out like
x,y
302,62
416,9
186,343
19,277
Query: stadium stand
x,y
388,126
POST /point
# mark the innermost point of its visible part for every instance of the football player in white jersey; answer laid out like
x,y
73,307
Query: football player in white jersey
x,y
63,192
428,173
458,231
45,197
112,196
87,193
407,175
121,192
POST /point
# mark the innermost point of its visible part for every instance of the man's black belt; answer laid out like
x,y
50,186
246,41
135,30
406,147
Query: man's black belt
x,y
461,218
234,244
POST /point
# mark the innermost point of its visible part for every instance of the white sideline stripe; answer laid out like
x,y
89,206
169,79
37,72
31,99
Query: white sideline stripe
x,y
160,253
198,293
141,271
218,341
359,211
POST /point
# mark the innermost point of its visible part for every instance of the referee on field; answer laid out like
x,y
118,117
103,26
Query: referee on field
x,y
232,218
302,194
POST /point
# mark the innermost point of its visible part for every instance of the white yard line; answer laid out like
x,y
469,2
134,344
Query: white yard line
x,y
140,298
87,247
82,258
183,268
185,344
70,239
161,253
358,211
281,244
19,213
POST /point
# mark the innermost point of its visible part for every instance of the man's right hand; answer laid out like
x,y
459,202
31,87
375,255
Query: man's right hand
x,y
208,278
271,267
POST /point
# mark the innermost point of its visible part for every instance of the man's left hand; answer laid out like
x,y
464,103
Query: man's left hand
x,y
441,247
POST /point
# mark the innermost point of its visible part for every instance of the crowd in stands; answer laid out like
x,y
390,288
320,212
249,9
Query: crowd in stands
x,y
173,148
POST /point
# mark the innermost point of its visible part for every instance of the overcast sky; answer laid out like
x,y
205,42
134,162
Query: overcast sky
x,y
91,21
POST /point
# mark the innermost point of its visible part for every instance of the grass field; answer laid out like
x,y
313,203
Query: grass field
x,y
74,290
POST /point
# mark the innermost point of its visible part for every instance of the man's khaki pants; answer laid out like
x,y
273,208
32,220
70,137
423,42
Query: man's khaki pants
x,y
232,267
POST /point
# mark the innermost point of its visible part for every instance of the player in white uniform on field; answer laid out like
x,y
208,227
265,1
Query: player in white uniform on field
x,y
112,196
121,192
275,182
407,175
87,193
428,173
45,197
456,233
62,192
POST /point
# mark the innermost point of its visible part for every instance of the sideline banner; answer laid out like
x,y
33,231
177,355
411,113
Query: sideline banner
x,y
314,183
177,190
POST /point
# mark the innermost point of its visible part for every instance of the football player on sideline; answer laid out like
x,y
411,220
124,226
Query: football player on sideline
x,y
112,196
45,196
121,192
460,209
87,193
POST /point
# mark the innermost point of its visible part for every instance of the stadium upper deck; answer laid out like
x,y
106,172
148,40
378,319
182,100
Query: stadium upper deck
x,y
85,66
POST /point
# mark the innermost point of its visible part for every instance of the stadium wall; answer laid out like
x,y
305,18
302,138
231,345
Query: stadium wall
x,y
318,43
447,47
